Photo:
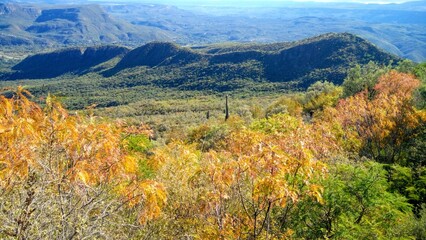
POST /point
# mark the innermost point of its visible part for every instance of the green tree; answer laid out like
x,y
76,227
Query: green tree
x,y
356,205
321,95
361,78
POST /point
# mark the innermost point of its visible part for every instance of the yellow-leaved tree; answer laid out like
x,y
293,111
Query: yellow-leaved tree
x,y
379,124
243,190
68,176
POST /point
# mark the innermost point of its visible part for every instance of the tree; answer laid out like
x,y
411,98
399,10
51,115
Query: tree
x,y
381,126
363,78
290,105
420,94
356,204
321,95
67,176
233,192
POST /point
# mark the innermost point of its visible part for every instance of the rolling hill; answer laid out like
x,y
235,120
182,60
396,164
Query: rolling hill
x,y
325,57
71,60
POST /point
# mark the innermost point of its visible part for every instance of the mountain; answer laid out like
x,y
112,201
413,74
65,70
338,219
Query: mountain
x,y
397,28
214,67
72,60
158,53
22,24
13,19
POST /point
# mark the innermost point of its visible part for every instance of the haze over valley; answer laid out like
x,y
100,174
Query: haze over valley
x,y
396,28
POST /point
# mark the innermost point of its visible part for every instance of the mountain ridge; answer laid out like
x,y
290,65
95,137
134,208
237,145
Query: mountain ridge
x,y
70,60
157,53
69,25
30,26
323,57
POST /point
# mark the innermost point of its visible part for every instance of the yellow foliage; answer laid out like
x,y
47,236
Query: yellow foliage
x,y
155,198
230,193
379,125
130,164
69,149
84,176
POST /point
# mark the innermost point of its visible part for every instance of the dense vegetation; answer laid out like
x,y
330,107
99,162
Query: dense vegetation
x,y
343,162
321,138
170,87
322,57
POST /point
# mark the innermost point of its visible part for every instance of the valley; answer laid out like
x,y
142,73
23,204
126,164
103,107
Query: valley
x,y
165,84
181,119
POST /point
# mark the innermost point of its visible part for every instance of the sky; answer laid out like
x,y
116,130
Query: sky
x,y
256,1
267,3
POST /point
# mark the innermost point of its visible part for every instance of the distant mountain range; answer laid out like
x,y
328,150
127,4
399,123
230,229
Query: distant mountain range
x,y
211,67
51,25
397,28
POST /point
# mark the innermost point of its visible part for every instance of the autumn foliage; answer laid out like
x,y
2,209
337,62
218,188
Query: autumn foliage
x,y
233,193
313,168
380,125
48,151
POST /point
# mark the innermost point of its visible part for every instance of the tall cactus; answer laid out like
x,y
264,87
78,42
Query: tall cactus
x,y
226,109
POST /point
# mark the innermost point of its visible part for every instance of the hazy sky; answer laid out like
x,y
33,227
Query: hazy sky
x,y
278,1
256,1
355,1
